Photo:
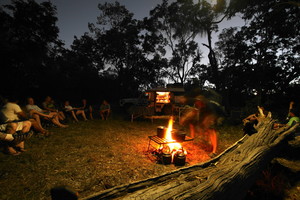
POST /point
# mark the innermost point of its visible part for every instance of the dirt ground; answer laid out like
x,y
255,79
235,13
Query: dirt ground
x,y
96,155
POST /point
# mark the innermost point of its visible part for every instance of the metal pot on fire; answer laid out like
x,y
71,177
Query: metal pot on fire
x,y
161,131
178,136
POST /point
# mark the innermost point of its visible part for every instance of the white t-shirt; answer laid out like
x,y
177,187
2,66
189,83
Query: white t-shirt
x,y
68,108
11,110
33,107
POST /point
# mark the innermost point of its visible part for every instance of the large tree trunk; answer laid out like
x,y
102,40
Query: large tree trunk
x,y
228,176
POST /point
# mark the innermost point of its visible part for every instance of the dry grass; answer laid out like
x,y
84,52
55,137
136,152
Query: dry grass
x,y
90,157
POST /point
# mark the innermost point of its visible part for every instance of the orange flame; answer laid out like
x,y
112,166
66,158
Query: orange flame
x,y
173,146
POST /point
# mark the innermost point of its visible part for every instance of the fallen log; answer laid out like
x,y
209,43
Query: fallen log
x,y
227,176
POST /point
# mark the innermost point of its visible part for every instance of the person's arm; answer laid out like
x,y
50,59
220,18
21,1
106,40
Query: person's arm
x,y
82,107
22,115
291,105
293,121
69,108
48,109
249,118
37,108
75,108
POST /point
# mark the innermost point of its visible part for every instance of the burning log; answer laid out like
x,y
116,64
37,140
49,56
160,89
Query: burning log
x,y
227,176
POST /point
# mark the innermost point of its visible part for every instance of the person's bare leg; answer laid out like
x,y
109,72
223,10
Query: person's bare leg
x,y
37,127
102,115
53,116
61,115
11,129
213,140
56,121
192,130
91,113
37,118
82,113
74,116
21,146
108,114
26,126
33,112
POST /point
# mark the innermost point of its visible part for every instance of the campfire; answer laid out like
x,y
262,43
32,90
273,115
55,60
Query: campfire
x,y
169,149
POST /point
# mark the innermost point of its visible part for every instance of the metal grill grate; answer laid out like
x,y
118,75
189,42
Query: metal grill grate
x,y
159,140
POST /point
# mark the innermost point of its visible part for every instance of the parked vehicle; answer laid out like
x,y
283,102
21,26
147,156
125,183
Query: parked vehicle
x,y
163,100
128,102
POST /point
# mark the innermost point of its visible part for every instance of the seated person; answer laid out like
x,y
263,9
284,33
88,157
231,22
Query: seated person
x,y
13,113
251,121
5,136
87,108
13,134
104,110
50,106
36,112
74,111
294,119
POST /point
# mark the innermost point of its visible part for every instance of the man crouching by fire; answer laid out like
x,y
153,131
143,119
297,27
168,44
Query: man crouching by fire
x,y
201,118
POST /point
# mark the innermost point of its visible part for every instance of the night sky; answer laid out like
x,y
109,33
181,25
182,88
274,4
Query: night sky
x,y
74,16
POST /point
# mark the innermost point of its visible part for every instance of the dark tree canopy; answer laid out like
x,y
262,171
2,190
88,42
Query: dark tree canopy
x,y
118,40
263,57
28,35
121,53
171,33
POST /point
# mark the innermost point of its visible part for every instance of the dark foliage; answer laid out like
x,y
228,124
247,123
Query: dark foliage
x,y
121,56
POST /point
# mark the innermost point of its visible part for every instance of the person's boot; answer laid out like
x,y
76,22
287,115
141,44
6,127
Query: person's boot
x,y
20,137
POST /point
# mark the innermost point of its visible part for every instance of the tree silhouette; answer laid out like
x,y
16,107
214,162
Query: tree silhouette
x,y
173,28
263,57
118,41
28,35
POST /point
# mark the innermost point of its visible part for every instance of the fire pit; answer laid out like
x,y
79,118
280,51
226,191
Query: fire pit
x,y
166,145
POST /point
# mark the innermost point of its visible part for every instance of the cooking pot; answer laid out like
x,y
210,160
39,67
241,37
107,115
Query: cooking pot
x,y
179,158
166,158
178,136
161,131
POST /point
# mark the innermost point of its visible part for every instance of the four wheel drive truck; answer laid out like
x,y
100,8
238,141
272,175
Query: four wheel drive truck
x,y
163,100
